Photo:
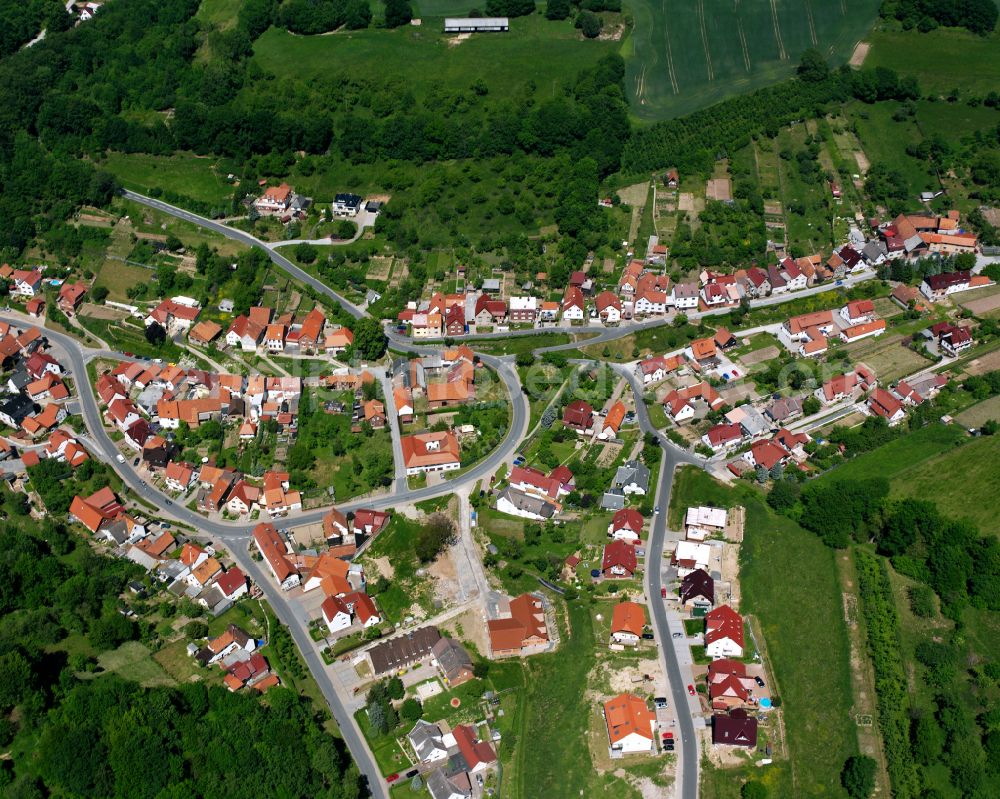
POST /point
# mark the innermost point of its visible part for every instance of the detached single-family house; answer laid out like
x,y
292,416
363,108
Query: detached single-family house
x,y
619,561
723,633
631,724
627,525
627,622
883,403
609,308
579,415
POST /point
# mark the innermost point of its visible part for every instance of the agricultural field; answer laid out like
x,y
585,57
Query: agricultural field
x,y
808,651
684,56
940,60
426,60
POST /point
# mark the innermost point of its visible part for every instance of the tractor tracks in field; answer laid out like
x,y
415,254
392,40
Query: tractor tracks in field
x,y
700,11
777,31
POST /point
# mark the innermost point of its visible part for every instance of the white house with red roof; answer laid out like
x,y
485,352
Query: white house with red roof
x,y
723,633
26,282
883,403
626,525
336,614
630,723
858,312
609,308
722,436
572,304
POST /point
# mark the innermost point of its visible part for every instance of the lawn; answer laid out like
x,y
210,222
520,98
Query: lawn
x,y
149,220
133,661
941,60
648,341
176,662
887,356
903,454
220,13
389,757
809,651
974,498
515,344
119,277
980,413
684,56
885,140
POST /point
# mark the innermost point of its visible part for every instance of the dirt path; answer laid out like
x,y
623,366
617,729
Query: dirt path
x,y
860,54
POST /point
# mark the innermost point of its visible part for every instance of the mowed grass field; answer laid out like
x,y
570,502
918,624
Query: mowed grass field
x,y
941,60
535,49
687,54
184,173
790,584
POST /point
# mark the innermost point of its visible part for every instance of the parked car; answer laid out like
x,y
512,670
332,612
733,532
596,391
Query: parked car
x,y
759,681
135,462
392,778
667,736
677,635
691,690
660,702
411,773
663,592
647,636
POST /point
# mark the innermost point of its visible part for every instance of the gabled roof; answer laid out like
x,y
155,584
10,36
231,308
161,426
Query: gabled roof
x,y
697,583
628,519
615,416
722,623
474,752
619,553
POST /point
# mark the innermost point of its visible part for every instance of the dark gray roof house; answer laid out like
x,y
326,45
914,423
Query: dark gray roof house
x,y
632,477
697,585
404,650
453,660
613,499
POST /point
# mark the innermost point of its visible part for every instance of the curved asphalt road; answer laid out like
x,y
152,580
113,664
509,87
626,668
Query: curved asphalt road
x,y
252,241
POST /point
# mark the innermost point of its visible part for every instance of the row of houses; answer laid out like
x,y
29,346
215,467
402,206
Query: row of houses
x,y
145,401
260,330
236,653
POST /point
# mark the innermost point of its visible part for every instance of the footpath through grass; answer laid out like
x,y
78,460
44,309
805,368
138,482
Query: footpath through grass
x,y
789,583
